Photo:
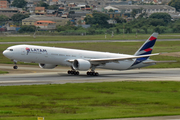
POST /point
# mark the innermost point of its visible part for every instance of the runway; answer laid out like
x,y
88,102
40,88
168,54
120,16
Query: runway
x,y
29,75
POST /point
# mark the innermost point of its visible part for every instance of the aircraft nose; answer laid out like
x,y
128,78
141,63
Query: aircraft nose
x,y
5,53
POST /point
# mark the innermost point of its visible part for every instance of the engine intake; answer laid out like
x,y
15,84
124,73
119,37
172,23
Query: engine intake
x,y
47,66
81,64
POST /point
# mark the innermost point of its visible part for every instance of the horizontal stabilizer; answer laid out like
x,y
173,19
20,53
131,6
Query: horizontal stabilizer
x,y
147,62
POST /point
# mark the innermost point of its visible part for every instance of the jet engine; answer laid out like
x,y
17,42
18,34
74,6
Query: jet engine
x,y
81,64
47,66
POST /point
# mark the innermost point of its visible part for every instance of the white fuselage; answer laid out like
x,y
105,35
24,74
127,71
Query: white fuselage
x,y
60,56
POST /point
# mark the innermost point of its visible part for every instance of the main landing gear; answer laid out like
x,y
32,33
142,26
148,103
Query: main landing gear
x,y
89,73
92,73
73,72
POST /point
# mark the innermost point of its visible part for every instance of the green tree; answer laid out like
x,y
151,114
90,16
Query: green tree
x,y
42,4
142,15
79,22
156,22
111,10
3,19
98,19
53,7
175,3
26,28
91,30
176,28
145,28
120,20
61,28
165,16
68,26
128,30
117,30
19,3
19,17
89,19
134,12
151,3
159,29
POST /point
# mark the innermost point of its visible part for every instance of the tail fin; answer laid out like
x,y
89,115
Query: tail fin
x,y
147,47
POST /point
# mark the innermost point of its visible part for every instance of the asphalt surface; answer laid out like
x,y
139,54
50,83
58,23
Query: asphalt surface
x,y
151,118
28,75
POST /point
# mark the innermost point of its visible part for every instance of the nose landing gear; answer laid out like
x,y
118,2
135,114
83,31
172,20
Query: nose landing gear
x,y
15,67
15,64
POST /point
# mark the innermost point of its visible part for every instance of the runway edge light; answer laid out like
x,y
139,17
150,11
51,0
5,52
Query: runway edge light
x,y
40,118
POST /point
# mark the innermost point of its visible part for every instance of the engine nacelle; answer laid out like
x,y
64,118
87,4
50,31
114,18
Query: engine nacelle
x,y
47,66
81,64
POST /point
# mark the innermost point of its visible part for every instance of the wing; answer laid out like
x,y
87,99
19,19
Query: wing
x,y
106,60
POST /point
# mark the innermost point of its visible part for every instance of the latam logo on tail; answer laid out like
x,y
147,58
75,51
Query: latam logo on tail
x,y
145,50
35,50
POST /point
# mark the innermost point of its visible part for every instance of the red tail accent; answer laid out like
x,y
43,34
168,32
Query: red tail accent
x,y
148,49
152,38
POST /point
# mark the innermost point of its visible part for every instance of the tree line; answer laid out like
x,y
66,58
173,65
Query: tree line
x,y
156,22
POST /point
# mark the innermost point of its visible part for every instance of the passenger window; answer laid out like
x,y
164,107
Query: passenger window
x,y
11,49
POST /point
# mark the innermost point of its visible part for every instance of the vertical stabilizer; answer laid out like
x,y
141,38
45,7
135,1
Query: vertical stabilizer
x,y
147,47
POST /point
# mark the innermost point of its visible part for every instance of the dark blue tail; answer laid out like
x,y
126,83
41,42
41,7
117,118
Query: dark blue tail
x,y
146,48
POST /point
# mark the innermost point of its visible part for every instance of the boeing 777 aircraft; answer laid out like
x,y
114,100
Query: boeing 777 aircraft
x,y
82,60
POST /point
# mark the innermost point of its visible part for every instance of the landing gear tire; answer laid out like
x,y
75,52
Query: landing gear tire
x,y
72,72
92,73
15,64
15,67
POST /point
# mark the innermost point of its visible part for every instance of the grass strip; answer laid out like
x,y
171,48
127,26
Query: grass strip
x,y
87,37
3,72
90,100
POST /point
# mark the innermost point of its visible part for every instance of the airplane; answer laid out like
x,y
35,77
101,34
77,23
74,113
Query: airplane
x,y
82,60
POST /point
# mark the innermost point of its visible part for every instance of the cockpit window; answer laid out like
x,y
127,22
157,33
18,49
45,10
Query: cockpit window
x,y
10,49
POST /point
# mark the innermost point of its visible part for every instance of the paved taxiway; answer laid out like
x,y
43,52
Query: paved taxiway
x,y
28,75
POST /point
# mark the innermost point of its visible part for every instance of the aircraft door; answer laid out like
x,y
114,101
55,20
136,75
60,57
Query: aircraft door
x,y
23,51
